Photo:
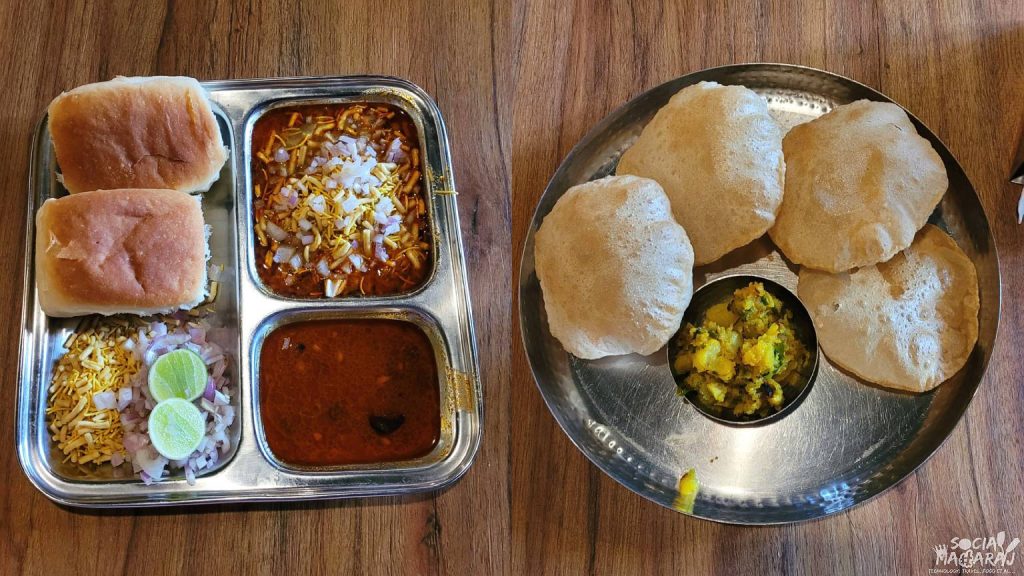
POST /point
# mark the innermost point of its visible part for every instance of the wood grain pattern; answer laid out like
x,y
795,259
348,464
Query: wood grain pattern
x,y
958,67
445,47
520,81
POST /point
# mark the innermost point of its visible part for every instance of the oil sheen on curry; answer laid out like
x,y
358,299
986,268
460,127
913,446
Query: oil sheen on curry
x,y
341,392
338,204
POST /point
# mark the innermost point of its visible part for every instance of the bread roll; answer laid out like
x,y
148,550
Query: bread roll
x,y
615,269
860,183
120,251
717,152
156,132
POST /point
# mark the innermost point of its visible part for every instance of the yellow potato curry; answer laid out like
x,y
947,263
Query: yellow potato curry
x,y
743,361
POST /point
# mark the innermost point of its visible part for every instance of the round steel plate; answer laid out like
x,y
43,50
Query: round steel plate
x,y
847,442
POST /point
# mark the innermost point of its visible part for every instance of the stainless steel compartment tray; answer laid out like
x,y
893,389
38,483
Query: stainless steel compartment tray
x,y
441,306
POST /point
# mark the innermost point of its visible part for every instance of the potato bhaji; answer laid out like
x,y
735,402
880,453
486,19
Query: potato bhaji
x,y
744,360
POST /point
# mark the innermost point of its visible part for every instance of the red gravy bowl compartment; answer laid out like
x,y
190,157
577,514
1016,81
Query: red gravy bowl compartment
x,y
340,392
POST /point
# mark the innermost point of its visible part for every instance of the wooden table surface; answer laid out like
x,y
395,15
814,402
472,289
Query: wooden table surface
x,y
446,48
959,67
519,82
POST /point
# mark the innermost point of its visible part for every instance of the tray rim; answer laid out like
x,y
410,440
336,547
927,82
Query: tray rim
x,y
469,393
592,132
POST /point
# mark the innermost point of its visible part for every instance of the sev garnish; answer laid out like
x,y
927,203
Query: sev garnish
x,y
338,207
95,362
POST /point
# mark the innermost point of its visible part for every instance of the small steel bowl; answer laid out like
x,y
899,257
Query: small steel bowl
x,y
718,290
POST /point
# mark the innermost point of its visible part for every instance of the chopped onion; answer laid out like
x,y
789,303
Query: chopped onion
x,y
281,155
305,224
296,261
219,436
124,398
349,204
220,399
394,151
205,444
134,442
322,268
151,462
284,253
218,369
229,415
171,340
210,391
306,239
276,232
317,203
357,172
104,400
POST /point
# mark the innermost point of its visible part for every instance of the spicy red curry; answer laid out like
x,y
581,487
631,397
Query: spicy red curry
x,y
336,392
338,206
